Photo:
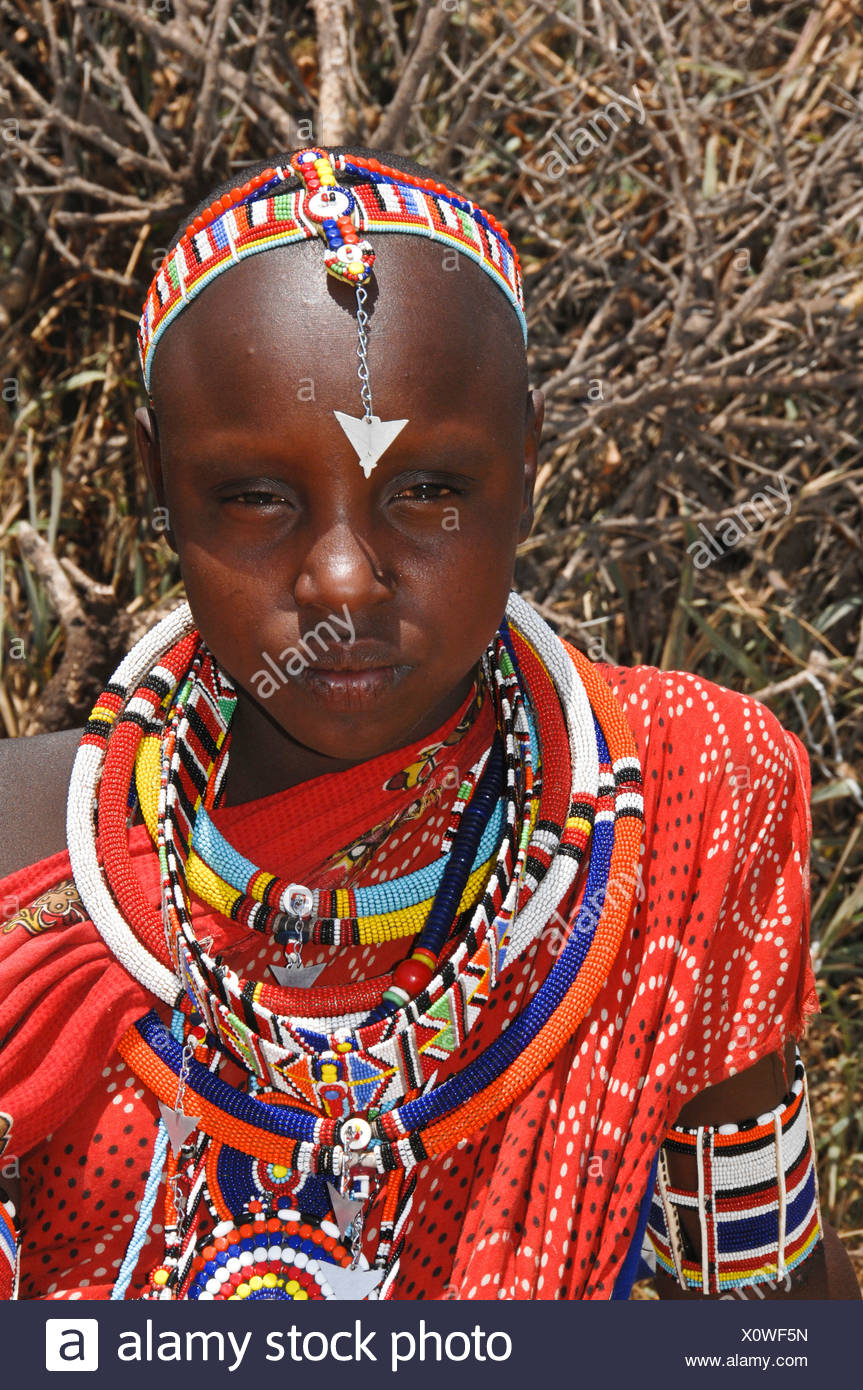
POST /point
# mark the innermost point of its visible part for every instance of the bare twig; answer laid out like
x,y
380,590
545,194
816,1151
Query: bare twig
x,y
388,132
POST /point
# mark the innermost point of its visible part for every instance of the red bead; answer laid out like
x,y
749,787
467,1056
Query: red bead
x,y
199,224
226,201
412,976
254,1205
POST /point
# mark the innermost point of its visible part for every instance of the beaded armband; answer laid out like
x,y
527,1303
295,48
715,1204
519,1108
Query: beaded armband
x,y
10,1248
757,1198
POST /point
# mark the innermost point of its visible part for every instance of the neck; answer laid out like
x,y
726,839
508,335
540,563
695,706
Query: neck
x,y
265,759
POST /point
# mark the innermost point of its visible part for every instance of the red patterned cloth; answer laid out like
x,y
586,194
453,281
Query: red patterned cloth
x,y
713,974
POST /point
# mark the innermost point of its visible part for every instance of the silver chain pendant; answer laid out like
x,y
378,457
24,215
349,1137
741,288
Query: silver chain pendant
x,y
369,434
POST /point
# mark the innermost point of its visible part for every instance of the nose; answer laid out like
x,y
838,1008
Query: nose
x,y
341,568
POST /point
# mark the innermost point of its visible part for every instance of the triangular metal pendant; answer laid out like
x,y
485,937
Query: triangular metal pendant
x,y
370,437
178,1125
297,976
354,1284
345,1209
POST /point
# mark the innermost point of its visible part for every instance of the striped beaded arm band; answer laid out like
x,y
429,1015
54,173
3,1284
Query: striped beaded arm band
x,y
255,218
10,1247
757,1198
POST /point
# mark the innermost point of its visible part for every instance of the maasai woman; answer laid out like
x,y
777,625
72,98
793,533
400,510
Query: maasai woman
x,y
392,949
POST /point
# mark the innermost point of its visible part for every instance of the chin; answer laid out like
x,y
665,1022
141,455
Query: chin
x,y
353,744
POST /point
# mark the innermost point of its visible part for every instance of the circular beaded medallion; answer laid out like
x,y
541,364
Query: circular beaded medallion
x,y
329,202
266,1257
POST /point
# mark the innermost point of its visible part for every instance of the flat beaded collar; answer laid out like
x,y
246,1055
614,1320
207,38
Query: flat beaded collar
x,y
430,1122
273,1045
142,706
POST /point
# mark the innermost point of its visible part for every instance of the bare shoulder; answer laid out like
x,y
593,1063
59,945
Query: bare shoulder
x,y
34,781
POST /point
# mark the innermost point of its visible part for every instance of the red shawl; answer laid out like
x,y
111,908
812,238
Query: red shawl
x,y
712,975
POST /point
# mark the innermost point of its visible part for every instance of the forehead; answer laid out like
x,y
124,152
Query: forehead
x,y
276,331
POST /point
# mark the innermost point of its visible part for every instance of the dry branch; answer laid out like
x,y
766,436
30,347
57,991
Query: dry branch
x,y
333,119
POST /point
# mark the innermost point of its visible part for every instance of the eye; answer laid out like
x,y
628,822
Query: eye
x,y
432,492
256,499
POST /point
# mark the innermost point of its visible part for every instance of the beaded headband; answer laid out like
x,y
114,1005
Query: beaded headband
x,y
253,218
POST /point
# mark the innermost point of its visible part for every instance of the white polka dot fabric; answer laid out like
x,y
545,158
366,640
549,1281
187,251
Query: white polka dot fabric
x,y
713,974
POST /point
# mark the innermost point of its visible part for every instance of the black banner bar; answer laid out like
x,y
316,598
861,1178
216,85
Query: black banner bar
x,y
442,1344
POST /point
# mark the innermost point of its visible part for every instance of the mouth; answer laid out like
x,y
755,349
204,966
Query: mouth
x,y
346,688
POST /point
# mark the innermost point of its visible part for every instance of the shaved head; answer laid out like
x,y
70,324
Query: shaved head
x,y
279,529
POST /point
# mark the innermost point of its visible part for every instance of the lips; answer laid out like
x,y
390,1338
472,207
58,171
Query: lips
x,y
352,661
355,656
349,689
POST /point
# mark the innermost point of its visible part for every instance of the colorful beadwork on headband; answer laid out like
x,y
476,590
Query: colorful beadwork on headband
x,y
757,1198
331,207
252,219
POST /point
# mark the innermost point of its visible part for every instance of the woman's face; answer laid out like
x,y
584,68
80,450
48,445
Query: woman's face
x,y
290,555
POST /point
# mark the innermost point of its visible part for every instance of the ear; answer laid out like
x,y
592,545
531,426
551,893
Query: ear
x,y
149,452
533,418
